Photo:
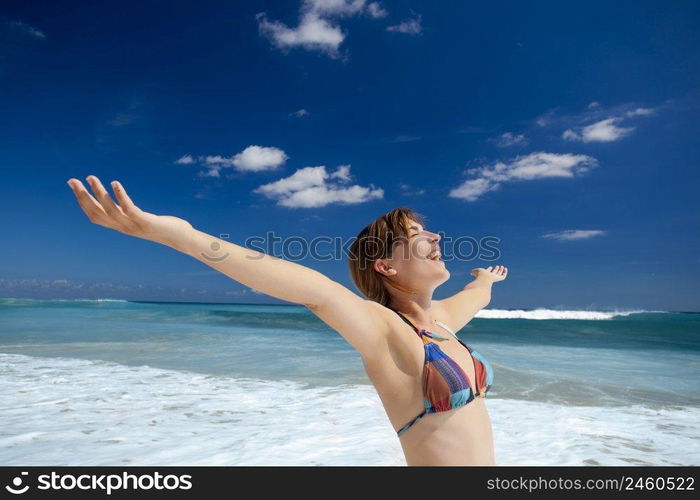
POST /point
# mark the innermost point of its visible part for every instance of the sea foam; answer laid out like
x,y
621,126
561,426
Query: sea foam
x,y
542,314
64,411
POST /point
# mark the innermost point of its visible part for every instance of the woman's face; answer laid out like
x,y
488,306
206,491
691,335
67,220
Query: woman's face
x,y
416,260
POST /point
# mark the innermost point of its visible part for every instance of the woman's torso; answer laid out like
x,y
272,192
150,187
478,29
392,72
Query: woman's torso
x,y
461,436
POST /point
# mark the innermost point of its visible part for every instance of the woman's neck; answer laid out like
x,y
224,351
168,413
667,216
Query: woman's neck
x,y
418,311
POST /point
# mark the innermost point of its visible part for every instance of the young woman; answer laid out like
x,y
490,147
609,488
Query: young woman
x,y
432,385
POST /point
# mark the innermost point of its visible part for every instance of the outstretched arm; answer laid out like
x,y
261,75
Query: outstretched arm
x,y
356,319
463,306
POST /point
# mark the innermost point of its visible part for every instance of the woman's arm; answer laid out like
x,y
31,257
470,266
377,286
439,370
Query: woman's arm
x,y
463,306
357,320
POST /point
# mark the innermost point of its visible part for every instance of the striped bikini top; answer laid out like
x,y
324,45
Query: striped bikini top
x,y
445,383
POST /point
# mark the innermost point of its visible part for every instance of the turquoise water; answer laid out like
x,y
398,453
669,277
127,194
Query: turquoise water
x,y
622,372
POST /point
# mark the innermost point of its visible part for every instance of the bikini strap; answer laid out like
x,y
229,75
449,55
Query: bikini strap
x,y
405,319
447,328
440,323
427,333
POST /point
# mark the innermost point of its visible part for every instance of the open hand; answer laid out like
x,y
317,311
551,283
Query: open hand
x,y
495,273
124,217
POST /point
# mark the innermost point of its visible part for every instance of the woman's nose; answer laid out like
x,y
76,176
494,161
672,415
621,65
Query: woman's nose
x,y
435,237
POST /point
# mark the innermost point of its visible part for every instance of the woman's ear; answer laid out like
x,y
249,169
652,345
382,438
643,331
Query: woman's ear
x,y
383,267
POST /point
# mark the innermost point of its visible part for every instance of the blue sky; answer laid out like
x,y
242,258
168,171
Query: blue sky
x,y
569,132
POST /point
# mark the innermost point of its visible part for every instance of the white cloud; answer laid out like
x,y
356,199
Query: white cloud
x,y
546,118
641,112
602,131
214,165
256,159
300,113
342,173
408,190
409,26
218,160
508,139
301,179
24,29
376,11
530,167
213,170
185,160
604,124
312,187
251,159
317,29
313,33
334,7
570,135
574,234
472,189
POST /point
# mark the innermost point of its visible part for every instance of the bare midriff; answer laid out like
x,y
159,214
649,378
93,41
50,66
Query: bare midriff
x,y
461,436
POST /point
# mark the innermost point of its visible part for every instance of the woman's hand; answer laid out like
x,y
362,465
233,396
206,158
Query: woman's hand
x,y
125,217
494,273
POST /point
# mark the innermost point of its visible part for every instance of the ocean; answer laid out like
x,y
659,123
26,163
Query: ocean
x,y
114,382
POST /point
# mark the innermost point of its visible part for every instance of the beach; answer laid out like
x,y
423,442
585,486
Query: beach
x,y
114,382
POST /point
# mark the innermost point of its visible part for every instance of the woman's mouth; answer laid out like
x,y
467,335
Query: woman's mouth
x,y
435,256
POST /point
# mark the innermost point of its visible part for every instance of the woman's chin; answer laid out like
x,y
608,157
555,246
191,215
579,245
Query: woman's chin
x,y
443,275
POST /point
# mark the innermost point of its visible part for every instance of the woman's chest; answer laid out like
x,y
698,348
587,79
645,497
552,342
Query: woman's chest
x,y
410,359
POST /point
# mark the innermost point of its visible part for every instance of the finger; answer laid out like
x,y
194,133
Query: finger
x,y
489,269
87,202
114,212
125,202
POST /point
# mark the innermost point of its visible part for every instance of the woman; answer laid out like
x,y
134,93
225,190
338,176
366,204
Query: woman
x,y
432,385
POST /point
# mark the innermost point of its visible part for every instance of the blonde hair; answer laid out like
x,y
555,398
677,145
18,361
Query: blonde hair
x,y
377,241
